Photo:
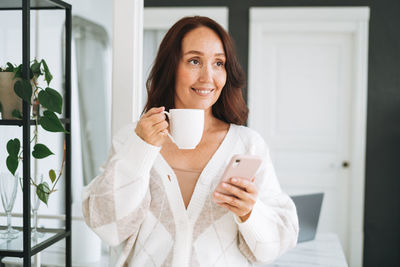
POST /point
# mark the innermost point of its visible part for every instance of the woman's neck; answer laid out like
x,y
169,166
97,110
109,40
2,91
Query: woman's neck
x,y
211,122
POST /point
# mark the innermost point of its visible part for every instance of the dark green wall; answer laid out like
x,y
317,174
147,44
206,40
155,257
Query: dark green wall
x,y
382,191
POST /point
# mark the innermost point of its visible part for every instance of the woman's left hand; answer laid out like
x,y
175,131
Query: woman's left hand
x,y
241,197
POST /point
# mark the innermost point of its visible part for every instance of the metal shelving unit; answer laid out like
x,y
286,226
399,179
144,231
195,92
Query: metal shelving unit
x,y
24,247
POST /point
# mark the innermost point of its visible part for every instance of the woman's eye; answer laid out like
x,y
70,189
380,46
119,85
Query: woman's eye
x,y
220,63
194,61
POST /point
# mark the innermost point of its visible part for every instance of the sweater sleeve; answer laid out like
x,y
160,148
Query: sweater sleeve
x,y
115,203
272,227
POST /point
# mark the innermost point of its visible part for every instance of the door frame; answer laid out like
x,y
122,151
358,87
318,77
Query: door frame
x,y
127,50
353,20
162,18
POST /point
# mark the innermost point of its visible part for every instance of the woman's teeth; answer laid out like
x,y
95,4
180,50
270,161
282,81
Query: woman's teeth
x,y
202,91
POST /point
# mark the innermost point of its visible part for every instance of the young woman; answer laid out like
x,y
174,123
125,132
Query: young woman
x,y
157,205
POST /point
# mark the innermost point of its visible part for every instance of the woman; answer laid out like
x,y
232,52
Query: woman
x,y
157,205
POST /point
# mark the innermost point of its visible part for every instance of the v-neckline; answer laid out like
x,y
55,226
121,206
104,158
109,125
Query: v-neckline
x,y
203,183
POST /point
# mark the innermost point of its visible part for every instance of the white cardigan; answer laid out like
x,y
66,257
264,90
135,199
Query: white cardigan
x,y
136,207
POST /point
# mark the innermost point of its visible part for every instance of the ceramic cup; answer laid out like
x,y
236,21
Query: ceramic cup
x,y
186,126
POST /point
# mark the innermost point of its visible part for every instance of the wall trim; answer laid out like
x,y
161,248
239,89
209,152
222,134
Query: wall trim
x,y
127,47
324,13
158,18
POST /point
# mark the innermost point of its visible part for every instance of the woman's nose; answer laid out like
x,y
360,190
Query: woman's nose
x,y
206,74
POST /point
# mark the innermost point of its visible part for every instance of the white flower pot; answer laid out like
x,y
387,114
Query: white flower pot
x,y
8,99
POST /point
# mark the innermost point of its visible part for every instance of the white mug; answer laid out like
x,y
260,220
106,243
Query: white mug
x,y
186,126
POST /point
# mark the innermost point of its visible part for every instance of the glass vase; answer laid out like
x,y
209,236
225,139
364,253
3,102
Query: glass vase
x,y
8,190
35,204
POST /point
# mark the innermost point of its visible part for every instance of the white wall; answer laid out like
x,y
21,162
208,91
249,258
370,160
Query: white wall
x,y
98,11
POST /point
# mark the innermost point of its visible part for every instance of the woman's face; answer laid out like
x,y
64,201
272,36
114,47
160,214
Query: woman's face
x,y
201,72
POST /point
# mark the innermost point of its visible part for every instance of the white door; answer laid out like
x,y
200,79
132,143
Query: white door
x,y
303,75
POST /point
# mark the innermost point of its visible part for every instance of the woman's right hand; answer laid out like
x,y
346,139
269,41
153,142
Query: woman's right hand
x,y
153,127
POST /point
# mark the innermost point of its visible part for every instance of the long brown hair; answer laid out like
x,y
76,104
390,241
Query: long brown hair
x,y
230,106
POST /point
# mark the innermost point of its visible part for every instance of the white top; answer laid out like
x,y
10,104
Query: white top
x,y
136,207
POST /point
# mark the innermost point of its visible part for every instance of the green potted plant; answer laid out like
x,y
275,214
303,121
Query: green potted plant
x,y
45,102
9,101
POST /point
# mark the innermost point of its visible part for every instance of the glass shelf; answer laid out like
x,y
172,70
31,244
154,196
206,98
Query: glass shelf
x,y
14,247
32,122
35,4
25,247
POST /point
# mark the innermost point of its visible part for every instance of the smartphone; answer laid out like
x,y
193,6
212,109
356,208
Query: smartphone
x,y
244,166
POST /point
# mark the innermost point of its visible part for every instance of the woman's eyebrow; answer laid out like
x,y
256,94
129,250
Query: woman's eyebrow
x,y
201,53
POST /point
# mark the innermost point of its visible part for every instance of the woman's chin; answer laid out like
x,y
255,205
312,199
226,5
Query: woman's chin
x,y
205,105
194,106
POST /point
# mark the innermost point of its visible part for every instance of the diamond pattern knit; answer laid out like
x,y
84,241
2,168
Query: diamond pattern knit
x,y
136,207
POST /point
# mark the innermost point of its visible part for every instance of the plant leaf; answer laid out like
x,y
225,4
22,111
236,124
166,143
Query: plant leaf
x,y
23,89
16,114
12,164
43,192
51,99
13,146
47,75
1,107
41,151
50,122
35,68
10,67
18,72
52,175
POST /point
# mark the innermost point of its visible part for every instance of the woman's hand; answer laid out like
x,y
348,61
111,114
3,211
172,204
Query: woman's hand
x,y
242,195
152,127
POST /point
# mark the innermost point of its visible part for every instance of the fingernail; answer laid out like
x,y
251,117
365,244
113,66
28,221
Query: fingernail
x,y
234,180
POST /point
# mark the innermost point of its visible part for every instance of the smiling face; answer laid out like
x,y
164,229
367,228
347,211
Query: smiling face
x,y
201,72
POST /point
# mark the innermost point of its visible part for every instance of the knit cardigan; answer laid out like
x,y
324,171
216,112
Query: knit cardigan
x,y
136,207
